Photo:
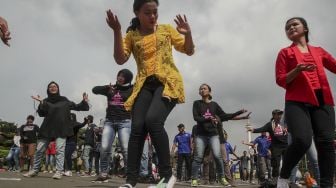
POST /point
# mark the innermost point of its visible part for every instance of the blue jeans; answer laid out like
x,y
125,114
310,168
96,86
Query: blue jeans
x,y
42,145
312,157
123,128
13,158
144,161
201,143
50,160
87,156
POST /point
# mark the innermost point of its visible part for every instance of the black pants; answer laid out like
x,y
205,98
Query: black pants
x,y
305,121
186,157
70,147
278,153
149,114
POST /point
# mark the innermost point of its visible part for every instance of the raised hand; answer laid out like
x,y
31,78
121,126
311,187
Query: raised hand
x,y
112,20
182,24
37,98
4,32
85,97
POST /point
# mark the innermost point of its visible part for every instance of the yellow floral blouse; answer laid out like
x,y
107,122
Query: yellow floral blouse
x,y
153,56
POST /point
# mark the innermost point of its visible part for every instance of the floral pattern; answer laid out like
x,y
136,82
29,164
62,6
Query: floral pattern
x,y
153,56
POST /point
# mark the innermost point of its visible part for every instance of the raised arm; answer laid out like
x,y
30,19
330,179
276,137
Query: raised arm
x,y
113,22
82,106
184,28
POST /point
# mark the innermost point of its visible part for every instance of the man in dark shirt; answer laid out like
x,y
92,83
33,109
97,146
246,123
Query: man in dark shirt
x,y
28,133
89,144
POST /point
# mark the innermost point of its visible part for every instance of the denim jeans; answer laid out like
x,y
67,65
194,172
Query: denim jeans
x,y
123,128
144,161
42,145
87,156
13,156
312,157
201,143
50,160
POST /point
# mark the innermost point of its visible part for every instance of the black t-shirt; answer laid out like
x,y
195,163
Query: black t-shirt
x,y
115,101
203,112
28,133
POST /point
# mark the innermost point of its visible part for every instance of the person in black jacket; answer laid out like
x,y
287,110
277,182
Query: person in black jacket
x,y
279,143
56,125
208,114
118,120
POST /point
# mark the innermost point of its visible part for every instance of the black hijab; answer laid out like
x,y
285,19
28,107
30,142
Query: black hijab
x,y
54,97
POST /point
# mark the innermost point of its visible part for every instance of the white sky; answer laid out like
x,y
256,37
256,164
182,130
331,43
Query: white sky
x,y
236,41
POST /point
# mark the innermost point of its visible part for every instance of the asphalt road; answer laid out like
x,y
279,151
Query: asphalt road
x,y
16,180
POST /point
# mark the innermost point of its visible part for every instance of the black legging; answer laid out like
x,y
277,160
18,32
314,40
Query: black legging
x,y
304,121
149,113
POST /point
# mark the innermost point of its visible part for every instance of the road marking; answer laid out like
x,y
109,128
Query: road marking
x,y
11,179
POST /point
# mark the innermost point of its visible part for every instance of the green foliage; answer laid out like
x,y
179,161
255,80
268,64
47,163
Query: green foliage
x,y
3,153
7,127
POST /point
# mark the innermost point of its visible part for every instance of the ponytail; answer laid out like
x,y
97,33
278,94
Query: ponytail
x,y
135,23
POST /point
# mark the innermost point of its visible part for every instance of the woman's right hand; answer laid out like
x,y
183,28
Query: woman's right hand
x,y
305,67
112,20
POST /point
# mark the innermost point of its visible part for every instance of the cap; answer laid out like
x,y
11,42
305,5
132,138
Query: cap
x,y
277,111
180,125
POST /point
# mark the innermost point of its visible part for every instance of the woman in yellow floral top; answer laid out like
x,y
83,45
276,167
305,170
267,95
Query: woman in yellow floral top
x,y
158,86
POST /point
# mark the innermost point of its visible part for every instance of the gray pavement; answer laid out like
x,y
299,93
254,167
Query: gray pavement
x,y
16,180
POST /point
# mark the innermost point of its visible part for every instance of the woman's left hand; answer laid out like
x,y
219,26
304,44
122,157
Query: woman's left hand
x,y
182,25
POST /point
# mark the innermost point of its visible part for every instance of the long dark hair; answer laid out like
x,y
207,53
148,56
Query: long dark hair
x,y
304,23
135,22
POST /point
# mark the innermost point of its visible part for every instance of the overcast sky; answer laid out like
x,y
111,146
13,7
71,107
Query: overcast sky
x,y
237,42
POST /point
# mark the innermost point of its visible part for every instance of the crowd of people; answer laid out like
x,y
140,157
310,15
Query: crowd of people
x,y
137,114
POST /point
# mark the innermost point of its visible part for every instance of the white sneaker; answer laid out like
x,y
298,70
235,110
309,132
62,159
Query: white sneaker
x,y
126,186
171,182
57,175
68,173
282,183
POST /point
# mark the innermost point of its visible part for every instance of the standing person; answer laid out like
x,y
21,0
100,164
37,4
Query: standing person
x,y
183,142
279,140
158,85
208,114
50,157
71,144
89,143
4,31
244,165
28,134
118,120
13,154
224,145
309,102
263,145
56,125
